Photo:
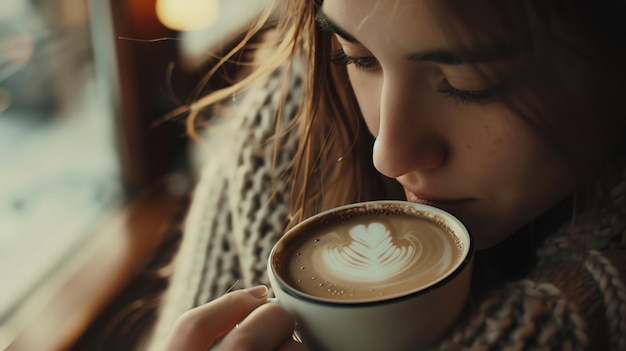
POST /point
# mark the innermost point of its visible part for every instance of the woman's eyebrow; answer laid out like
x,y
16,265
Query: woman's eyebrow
x,y
443,57
474,55
328,25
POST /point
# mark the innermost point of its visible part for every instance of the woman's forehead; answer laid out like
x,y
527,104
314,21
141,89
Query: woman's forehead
x,y
401,22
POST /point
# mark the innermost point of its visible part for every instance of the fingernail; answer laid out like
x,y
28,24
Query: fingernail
x,y
258,291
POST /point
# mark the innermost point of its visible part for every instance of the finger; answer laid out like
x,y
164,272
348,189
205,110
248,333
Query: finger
x,y
267,328
198,328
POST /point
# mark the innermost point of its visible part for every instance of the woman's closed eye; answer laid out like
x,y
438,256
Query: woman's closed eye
x,y
464,96
365,63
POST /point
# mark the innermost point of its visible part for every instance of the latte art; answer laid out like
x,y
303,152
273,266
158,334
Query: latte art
x,y
372,256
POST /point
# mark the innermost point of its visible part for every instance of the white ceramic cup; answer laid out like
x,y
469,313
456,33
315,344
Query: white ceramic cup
x,y
409,321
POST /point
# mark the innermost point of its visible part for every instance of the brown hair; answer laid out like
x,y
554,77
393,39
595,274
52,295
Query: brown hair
x,y
326,170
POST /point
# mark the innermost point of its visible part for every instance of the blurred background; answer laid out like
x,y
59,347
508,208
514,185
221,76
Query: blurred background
x,y
90,186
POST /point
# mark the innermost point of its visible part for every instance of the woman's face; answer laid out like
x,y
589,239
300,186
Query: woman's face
x,y
438,131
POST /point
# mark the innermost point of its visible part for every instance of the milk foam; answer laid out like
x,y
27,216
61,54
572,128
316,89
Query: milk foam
x,y
372,256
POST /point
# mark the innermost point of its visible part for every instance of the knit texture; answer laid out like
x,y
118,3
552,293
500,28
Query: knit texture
x,y
574,298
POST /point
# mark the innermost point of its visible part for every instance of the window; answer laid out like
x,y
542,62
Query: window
x,y
81,84
59,168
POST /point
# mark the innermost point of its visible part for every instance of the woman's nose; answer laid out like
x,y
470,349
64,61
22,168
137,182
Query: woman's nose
x,y
407,139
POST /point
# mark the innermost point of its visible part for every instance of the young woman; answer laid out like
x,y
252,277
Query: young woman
x,y
509,115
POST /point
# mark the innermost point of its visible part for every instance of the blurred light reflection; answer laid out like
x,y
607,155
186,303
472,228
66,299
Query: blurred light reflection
x,y
186,15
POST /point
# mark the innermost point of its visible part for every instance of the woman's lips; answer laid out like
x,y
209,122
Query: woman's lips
x,y
437,201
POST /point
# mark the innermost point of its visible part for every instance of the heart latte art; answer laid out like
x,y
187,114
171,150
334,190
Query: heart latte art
x,y
370,257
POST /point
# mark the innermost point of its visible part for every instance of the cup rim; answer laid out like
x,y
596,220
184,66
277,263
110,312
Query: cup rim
x,y
450,221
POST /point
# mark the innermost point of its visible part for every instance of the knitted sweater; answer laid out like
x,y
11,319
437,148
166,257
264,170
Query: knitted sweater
x,y
573,299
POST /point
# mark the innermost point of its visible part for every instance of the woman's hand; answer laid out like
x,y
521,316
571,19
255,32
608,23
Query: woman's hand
x,y
244,317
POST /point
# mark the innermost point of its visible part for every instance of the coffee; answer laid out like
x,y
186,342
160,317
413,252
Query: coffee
x,y
369,254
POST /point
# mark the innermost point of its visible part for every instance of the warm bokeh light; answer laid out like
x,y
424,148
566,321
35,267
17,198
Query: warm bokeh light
x,y
186,15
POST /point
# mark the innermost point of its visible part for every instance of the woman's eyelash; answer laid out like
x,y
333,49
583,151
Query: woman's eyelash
x,y
361,62
464,96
